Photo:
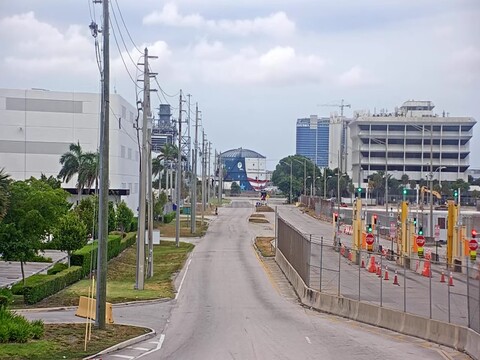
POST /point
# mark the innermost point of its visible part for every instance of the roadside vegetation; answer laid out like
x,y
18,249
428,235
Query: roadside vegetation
x,y
264,245
168,230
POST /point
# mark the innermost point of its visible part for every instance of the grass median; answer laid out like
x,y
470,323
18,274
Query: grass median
x,y
66,341
169,230
264,245
167,260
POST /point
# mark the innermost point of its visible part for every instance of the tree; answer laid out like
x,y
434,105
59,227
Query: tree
x,y
87,211
34,209
70,234
124,216
235,189
159,204
51,181
281,175
404,179
413,184
83,164
112,217
4,183
157,168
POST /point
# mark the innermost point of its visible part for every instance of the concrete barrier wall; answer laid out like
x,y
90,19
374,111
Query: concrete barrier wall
x,y
455,336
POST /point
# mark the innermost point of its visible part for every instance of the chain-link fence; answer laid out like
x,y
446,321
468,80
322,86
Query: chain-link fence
x,y
414,285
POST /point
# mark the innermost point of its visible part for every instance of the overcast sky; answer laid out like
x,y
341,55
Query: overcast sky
x,y
256,66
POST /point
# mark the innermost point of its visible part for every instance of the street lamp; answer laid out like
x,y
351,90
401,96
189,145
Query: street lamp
x,y
325,178
290,200
431,197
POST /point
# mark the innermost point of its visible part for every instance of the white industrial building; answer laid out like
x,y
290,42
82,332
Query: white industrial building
x,y
413,140
37,126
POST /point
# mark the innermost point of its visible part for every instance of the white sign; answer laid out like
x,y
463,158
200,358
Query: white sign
x,y
393,229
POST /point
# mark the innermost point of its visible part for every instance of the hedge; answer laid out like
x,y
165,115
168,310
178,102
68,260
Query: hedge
x,y
167,218
115,246
50,284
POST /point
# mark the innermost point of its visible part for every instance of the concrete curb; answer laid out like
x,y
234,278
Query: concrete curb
x,y
451,335
125,343
47,309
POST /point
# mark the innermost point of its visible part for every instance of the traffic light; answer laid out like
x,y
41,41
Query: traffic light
x,y
374,219
369,228
415,221
420,230
455,194
335,217
404,191
474,233
359,192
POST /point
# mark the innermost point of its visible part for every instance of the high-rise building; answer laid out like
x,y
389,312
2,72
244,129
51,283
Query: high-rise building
x,y
163,131
413,140
312,139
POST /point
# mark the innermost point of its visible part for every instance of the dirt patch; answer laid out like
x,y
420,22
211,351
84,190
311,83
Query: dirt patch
x,y
264,208
256,215
258,220
264,245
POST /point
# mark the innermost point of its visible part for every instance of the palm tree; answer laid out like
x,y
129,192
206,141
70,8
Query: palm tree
x,y
83,164
157,168
4,182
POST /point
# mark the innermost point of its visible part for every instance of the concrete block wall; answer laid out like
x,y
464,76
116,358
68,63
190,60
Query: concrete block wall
x,y
455,336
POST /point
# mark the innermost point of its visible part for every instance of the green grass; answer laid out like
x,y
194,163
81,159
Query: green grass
x,y
167,260
264,245
66,341
169,230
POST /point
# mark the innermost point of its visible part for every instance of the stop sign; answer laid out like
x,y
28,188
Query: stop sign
x,y
473,244
420,240
369,239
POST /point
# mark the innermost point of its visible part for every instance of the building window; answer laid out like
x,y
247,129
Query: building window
x,y
136,188
136,155
396,141
124,185
379,127
124,112
453,128
129,153
449,142
122,151
396,128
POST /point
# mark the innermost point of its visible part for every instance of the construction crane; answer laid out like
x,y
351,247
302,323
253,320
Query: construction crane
x,y
342,105
424,189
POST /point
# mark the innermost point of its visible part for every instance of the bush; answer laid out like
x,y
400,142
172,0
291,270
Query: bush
x,y
134,224
116,245
42,259
55,269
50,284
15,328
167,218
6,297
3,301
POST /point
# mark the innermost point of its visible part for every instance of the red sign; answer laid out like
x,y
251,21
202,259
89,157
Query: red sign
x,y
420,240
473,244
369,239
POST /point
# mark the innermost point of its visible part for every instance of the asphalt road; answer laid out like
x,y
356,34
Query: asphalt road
x,y
228,308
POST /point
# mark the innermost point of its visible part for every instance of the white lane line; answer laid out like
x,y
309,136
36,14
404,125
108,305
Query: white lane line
x,y
183,278
159,346
140,348
123,356
308,339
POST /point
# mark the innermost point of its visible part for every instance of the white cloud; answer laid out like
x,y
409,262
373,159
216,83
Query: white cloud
x,y
40,47
356,76
276,24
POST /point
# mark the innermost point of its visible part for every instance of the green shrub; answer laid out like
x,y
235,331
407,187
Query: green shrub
x,y
37,329
50,284
7,295
41,259
55,269
134,224
3,301
167,218
15,328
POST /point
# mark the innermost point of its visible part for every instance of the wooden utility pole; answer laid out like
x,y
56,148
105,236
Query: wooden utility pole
x,y
179,173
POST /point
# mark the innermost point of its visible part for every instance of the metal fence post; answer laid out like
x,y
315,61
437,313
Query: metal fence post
x,y
321,261
448,287
381,283
404,284
359,266
339,262
430,288
468,295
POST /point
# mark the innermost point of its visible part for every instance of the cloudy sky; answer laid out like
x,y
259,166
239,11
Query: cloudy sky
x,y
254,67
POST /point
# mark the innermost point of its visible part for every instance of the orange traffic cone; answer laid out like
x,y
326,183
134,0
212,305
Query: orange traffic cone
x,y
395,279
450,280
379,271
426,269
363,263
371,265
442,278
386,273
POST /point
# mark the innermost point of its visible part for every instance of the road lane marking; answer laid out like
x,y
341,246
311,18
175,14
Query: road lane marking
x,y
183,278
267,271
159,346
308,339
140,348
124,356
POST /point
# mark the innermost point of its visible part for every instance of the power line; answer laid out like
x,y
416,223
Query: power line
x,y
126,28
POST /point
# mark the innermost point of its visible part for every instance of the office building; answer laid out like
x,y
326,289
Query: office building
x,y
37,126
313,139
412,140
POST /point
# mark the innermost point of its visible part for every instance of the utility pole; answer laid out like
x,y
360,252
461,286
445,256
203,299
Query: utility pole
x,y
194,171
203,175
220,177
209,182
140,270
150,206
178,191
214,172
101,294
